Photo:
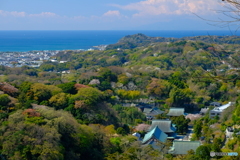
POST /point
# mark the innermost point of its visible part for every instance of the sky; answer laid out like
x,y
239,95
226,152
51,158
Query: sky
x,y
109,14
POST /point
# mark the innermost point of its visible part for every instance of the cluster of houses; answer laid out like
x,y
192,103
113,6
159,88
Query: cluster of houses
x,y
162,130
19,59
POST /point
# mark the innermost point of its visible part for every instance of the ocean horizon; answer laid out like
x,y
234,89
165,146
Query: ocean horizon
x,y
39,40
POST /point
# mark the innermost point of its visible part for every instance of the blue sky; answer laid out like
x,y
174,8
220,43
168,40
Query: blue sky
x,y
108,14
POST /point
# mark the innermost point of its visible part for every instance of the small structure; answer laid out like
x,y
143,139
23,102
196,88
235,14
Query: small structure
x,y
219,110
63,62
174,112
165,126
203,111
229,132
182,147
151,112
136,135
154,136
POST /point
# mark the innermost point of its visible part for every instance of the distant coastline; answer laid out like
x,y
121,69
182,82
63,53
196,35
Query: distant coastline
x,y
23,41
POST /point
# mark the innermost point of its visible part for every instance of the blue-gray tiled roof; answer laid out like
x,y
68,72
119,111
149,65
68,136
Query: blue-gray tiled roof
x,y
176,112
163,125
155,133
182,147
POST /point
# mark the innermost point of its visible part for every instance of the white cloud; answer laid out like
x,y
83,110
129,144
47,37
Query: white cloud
x,y
23,14
13,13
43,14
112,13
170,7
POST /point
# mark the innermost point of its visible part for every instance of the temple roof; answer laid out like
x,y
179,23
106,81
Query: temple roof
x,y
181,147
176,112
155,133
163,125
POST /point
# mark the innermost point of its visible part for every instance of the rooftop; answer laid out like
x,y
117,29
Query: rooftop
x,y
215,104
176,112
221,108
155,133
163,125
152,111
181,147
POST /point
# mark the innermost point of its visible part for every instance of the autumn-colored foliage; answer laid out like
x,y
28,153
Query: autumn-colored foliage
x,y
8,89
142,127
31,113
79,86
157,88
79,104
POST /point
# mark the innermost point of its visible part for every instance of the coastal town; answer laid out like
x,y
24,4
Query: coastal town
x,y
35,58
31,58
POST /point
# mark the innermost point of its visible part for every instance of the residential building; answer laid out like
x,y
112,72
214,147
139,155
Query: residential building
x,y
218,110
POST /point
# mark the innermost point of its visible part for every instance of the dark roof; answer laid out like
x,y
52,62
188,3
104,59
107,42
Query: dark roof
x,y
152,112
181,147
215,104
155,133
176,112
164,125
230,129
215,111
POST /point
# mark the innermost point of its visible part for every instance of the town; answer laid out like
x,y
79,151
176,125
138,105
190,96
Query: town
x,y
31,58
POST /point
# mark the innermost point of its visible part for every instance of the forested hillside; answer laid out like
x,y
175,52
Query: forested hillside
x,y
89,106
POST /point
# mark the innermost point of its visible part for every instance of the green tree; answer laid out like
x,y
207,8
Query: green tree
x,y
89,96
216,145
105,74
59,101
4,99
46,134
41,92
181,124
121,131
68,87
197,128
47,67
180,96
129,95
203,152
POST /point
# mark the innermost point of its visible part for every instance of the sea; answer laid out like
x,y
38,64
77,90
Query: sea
x,y
23,41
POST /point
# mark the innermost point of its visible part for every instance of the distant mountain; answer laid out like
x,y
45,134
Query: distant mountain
x,y
138,40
